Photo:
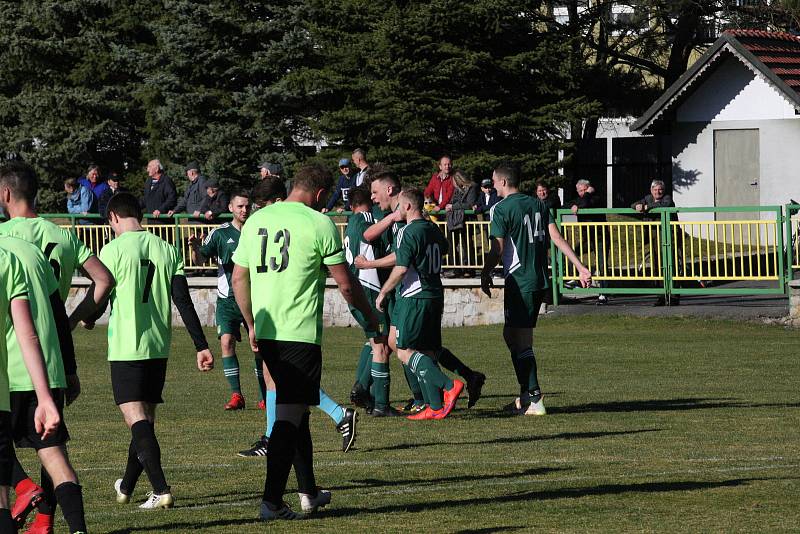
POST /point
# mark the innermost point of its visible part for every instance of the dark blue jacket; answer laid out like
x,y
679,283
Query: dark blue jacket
x,y
483,205
346,183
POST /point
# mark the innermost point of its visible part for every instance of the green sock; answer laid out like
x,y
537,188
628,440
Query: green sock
x,y
262,385
413,384
528,375
364,365
380,384
230,365
433,379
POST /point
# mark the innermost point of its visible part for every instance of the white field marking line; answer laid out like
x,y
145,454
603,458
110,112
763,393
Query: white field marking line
x,y
344,463
438,487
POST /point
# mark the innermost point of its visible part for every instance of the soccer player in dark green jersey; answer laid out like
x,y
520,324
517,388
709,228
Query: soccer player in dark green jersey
x,y
149,274
385,188
66,254
59,481
45,417
417,319
519,228
221,243
373,365
279,283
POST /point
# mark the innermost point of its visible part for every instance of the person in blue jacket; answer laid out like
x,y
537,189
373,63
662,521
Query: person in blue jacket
x,y
347,181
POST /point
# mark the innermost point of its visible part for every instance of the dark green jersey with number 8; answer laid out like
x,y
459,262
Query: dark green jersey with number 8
x,y
140,326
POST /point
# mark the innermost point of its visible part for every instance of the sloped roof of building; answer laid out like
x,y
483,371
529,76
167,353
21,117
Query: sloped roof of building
x,y
773,55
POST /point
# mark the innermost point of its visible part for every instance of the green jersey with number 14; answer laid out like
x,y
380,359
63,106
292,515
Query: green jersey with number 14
x,y
285,247
62,248
522,221
419,247
140,326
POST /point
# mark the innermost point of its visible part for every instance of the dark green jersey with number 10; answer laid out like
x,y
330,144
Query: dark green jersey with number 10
x,y
522,221
140,326
419,247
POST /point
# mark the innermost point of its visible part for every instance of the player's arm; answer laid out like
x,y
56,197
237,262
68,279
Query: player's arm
x,y
240,280
387,262
490,261
563,246
183,301
67,347
374,232
195,244
395,277
97,294
46,418
352,292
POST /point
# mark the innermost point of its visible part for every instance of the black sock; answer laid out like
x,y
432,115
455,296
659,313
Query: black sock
x,y
18,473
47,505
149,453
282,445
70,499
450,361
133,470
6,523
304,460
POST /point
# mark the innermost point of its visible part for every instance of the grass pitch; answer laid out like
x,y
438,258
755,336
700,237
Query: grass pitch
x,y
653,425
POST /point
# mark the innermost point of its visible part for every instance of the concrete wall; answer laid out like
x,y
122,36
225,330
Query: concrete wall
x,y
734,98
464,305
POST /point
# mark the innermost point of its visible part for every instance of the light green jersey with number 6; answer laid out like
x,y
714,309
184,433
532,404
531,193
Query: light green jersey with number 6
x,y
62,248
140,326
285,247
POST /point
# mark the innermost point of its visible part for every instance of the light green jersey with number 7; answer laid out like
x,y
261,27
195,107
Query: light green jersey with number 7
x,y
285,247
140,326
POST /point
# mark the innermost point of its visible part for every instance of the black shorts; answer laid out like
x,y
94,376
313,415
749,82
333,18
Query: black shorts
x,y
6,449
138,380
295,367
23,426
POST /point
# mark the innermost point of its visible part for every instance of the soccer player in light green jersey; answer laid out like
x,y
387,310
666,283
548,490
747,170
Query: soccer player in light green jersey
x,y
59,481
18,188
373,365
46,420
417,319
279,283
518,231
149,274
385,189
221,243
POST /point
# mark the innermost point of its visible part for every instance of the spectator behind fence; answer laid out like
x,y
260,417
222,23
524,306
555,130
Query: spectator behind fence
x,y
440,187
345,184
79,199
93,181
658,199
268,170
360,160
587,198
160,195
550,198
215,203
465,195
487,197
195,193
114,182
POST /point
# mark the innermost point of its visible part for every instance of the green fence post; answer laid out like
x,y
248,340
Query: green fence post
x,y
782,276
788,245
554,256
666,252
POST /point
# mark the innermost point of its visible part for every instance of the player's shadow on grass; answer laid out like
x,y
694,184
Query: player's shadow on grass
x,y
534,496
649,405
367,483
516,439
187,527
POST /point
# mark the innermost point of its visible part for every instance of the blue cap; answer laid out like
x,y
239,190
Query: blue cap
x,y
344,162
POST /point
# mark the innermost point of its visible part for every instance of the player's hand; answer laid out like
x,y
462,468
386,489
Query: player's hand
x,y
486,283
194,240
361,262
73,389
46,418
251,335
585,276
379,304
156,213
205,360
